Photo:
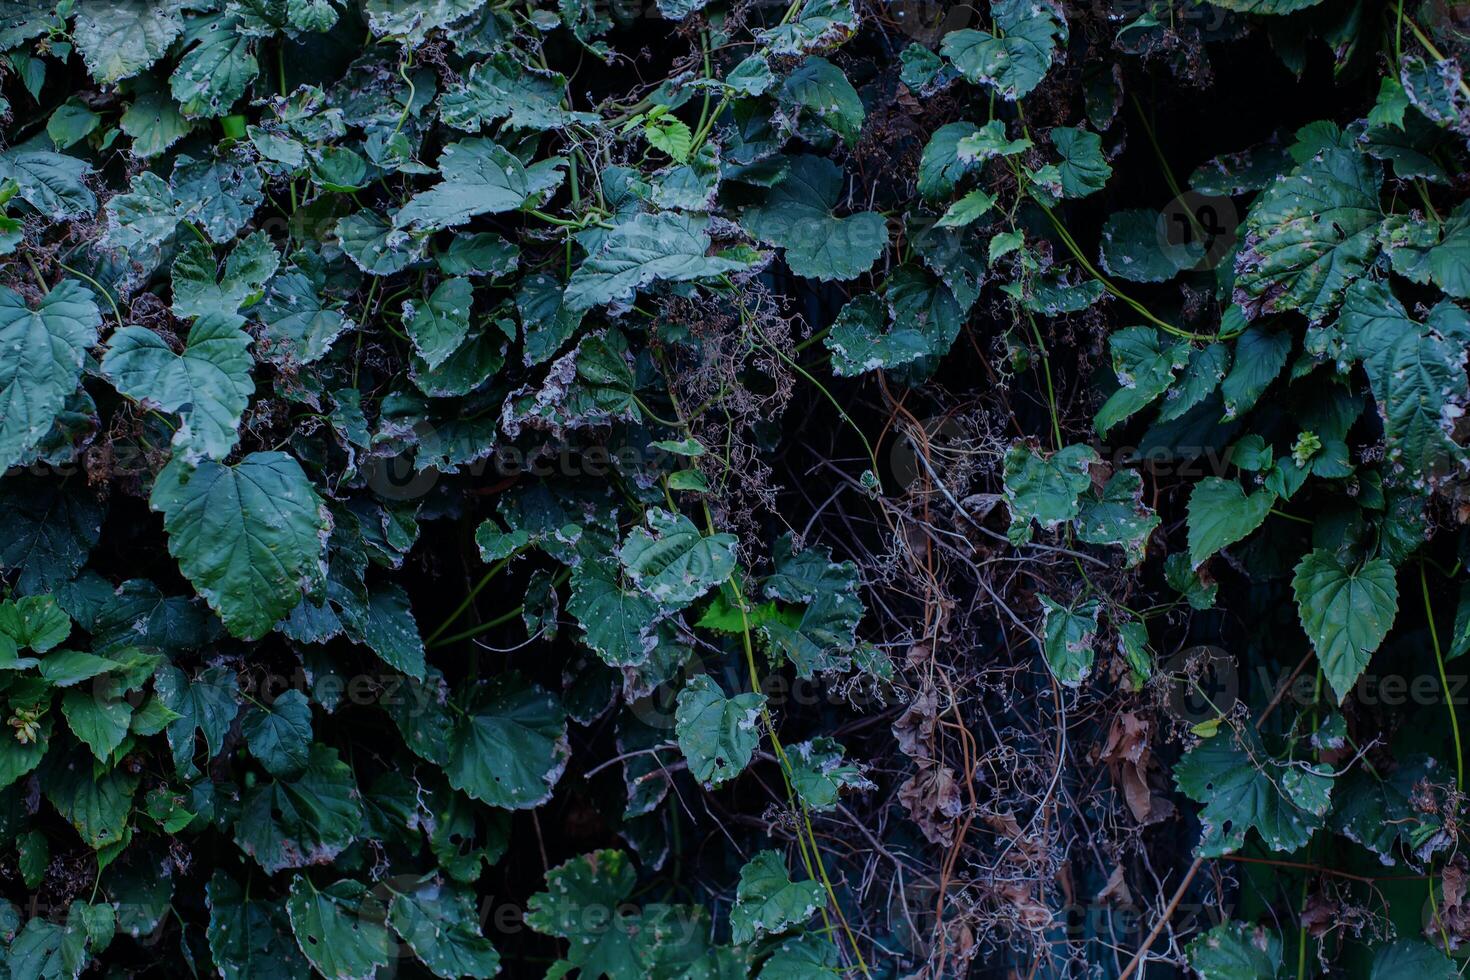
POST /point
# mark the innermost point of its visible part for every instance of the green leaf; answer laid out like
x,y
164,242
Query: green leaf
x,y
508,746
859,343
1015,55
280,736
672,562
204,704
767,901
306,819
797,215
804,957
46,950
98,715
1346,612
1045,489
1220,514
670,135
208,385
202,289
1243,788
1202,375
480,177
1133,247
437,327
248,536
67,667
382,620
43,361
1260,354
374,246
1309,235
37,622
221,196
718,735
819,774
95,799
1236,951
52,183
71,123
525,98
1144,361
820,88
215,72
617,623
299,326
645,249
1083,168
144,217
119,38
1117,515
1069,635
50,528
440,922
1378,811
154,123
1432,252
339,928
940,166
967,210
249,939
1412,958
584,904
1416,372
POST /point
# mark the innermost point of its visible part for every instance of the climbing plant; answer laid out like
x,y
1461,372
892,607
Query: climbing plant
x,y
707,488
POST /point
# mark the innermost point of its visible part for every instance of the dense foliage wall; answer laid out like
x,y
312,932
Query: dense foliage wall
x,y
723,488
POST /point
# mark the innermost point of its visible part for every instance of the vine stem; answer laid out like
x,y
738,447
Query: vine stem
x,y
501,620
1434,52
459,610
97,286
1449,702
806,838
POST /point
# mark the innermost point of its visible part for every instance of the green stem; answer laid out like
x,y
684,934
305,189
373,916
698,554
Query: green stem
x,y
459,610
500,620
97,286
1449,702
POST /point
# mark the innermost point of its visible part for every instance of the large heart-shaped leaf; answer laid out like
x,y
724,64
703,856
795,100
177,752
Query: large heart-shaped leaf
x,y
42,362
797,215
1346,612
248,536
208,385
